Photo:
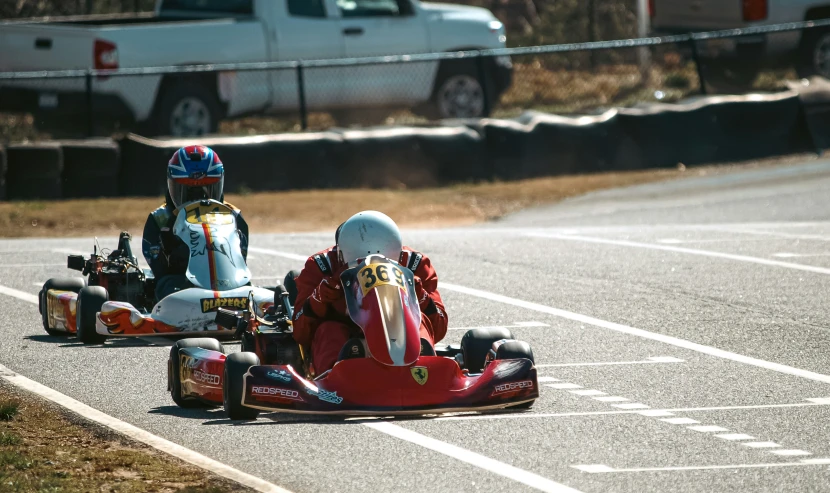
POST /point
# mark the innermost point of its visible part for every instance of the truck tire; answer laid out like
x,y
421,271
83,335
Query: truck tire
x,y
476,343
458,92
90,300
814,54
74,284
186,110
236,366
174,377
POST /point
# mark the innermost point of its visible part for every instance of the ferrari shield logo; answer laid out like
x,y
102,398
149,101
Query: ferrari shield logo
x,y
420,374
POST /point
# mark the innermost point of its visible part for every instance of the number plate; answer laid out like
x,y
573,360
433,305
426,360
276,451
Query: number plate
x,y
375,275
197,214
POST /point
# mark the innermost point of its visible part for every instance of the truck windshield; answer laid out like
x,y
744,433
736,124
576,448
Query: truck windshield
x,y
223,6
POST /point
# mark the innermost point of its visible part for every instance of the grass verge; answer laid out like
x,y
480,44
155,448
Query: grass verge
x,y
315,210
44,449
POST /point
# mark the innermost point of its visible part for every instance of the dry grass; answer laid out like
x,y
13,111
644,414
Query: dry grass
x,y
316,210
43,449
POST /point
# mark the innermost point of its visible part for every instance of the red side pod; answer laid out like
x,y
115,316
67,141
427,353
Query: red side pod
x,y
201,373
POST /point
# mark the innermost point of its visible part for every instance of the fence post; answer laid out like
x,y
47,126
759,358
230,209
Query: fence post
x,y
482,80
301,94
89,111
696,57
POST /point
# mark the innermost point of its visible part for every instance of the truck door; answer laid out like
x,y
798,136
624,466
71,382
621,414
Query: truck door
x,y
384,27
305,30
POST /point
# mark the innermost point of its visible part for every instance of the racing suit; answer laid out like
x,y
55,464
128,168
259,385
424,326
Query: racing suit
x,y
167,255
320,317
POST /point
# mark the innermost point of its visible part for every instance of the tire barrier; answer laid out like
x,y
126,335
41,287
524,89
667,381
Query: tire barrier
x,y
90,168
697,131
2,173
34,171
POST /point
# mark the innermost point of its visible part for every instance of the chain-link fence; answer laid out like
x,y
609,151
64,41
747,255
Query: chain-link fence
x,y
250,98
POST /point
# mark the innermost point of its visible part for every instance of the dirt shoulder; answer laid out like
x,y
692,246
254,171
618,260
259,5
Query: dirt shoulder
x,y
45,448
316,210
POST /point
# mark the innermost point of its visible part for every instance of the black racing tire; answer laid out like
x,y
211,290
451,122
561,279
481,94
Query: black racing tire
x,y
203,103
174,377
515,350
247,342
74,284
236,366
476,343
813,43
90,300
290,284
456,77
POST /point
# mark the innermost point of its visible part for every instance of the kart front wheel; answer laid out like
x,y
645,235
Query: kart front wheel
x,y
73,284
236,366
174,366
476,343
515,350
90,301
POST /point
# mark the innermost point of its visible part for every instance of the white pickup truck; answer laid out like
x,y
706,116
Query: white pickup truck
x,y
744,57
184,32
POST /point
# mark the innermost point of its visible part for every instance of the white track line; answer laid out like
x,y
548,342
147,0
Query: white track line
x,y
625,329
656,359
518,325
32,265
140,435
21,295
601,468
496,467
690,251
816,402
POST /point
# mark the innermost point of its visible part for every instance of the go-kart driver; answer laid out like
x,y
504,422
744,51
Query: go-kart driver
x,y
193,173
320,317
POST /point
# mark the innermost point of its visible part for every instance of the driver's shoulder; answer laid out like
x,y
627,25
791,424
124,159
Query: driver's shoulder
x,y
161,215
412,258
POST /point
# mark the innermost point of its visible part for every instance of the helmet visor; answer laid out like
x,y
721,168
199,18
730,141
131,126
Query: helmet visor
x,y
183,191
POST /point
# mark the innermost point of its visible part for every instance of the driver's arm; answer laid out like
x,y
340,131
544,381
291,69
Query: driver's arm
x,y
305,319
152,248
433,306
242,227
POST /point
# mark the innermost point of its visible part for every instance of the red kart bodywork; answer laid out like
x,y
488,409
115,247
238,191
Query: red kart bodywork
x,y
201,373
363,386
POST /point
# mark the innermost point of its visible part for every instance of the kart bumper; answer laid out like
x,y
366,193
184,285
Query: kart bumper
x,y
365,387
119,319
60,309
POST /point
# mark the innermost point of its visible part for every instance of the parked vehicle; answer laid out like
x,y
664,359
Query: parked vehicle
x,y
185,32
744,57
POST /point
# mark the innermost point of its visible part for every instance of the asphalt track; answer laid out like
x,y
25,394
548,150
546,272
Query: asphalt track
x,y
681,331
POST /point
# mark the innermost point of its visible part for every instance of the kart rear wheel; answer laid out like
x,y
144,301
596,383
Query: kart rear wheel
x,y
476,343
73,284
516,350
236,366
90,300
174,376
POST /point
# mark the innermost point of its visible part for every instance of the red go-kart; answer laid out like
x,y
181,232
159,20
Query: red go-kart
x,y
388,371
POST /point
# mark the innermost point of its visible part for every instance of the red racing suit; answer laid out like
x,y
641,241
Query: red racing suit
x,y
326,326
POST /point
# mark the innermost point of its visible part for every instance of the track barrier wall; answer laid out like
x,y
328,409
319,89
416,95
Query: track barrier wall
x,y
703,130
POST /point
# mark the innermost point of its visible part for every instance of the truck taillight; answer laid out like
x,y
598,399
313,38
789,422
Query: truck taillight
x,y
755,10
652,11
105,55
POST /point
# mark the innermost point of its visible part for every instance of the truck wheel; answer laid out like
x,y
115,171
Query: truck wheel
x,y
476,343
90,300
236,366
814,54
515,350
458,92
187,110
73,284
174,377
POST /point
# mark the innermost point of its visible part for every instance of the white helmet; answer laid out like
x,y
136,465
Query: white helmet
x,y
367,233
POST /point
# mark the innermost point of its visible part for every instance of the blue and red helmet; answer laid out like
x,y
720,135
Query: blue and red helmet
x,y
195,173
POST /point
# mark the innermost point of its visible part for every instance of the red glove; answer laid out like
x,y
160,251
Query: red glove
x,y
328,291
420,292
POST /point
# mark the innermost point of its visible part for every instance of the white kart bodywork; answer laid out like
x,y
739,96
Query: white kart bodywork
x,y
216,268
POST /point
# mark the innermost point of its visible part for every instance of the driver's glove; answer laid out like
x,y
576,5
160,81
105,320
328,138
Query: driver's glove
x,y
420,292
325,294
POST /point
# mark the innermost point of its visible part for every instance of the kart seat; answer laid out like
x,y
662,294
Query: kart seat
x,y
353,348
